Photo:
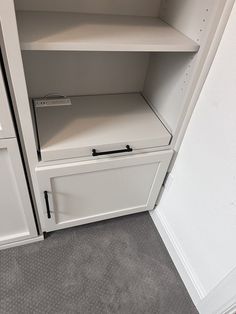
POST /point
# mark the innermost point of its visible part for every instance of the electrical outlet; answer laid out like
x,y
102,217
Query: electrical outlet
x,y
52,102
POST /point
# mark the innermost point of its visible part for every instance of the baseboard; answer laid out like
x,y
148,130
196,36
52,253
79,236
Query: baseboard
x,y
231,310
191,282
22,242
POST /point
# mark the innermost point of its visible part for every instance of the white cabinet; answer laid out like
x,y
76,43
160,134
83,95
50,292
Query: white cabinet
x,y
16,215
17,224
6,125
77,193
133,73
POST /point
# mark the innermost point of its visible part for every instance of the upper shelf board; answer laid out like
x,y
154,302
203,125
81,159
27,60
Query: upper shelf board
x,y
91,32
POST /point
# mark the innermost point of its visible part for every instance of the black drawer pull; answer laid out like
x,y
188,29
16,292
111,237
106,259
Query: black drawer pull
x,y
127,149
47,204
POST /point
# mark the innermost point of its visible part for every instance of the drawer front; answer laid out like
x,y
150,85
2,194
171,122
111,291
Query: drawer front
x,y
98,124
84,192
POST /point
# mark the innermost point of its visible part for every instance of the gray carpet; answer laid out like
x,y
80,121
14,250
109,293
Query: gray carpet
x,y
115,266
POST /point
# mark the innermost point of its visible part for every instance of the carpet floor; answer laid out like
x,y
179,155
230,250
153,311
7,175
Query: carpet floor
x,y
115,266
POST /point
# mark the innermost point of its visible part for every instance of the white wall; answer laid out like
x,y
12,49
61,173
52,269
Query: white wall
x,y
197,213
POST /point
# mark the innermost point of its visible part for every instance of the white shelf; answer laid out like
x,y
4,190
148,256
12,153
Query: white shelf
x,y
91,32
105,122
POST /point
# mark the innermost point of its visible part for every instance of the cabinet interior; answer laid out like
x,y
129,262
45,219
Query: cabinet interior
x,y
150,48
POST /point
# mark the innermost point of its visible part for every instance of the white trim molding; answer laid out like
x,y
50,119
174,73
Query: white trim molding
x,y
206,303
23,242
187,274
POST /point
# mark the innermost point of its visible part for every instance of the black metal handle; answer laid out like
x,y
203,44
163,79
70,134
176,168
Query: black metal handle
x,y
127,149
47,204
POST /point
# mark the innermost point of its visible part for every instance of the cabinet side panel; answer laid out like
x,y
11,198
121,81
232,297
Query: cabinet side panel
x,y
166,84
11,53
171,79
12,212
17,220
6,125
191,17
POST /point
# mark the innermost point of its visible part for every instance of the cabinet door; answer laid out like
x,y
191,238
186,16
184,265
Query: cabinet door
x,y
16,215
6,125
84,192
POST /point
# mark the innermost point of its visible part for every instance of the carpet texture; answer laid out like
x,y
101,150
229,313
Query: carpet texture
x,y
114,266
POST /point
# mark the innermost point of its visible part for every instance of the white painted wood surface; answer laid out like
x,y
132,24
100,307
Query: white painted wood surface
x,y
198,204
15,74
191,17
84,73
122,7
105,122
166,84
16,221
6,124
22,242
89,191
16,70
171,79
91,32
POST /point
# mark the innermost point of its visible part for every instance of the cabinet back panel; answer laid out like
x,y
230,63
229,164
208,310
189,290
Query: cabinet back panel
x,y
84,73
121,7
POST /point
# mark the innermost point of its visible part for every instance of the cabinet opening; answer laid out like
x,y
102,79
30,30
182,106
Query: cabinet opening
x,y
113,96
129,64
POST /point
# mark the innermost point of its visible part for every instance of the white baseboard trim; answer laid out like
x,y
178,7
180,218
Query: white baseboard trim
x,y
221,299
193,285
231,310
22,242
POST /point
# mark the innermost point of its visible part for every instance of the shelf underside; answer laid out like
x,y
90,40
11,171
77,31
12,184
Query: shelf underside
x,y
104,123
91,32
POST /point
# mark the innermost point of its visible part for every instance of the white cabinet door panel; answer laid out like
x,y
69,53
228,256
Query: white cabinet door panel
x,y
88,191
16,215
6,125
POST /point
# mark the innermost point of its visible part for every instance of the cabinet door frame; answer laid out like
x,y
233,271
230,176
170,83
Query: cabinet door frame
x,y
11,146
6,124
47,173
